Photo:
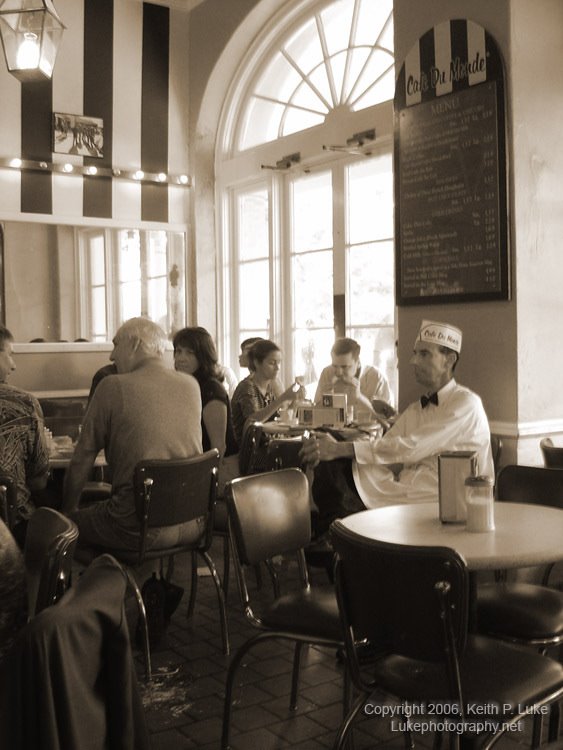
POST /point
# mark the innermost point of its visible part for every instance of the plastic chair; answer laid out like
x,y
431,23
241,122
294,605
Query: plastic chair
x,y
69,681
269,516
8,501
552,454
167,493
411,605
49,549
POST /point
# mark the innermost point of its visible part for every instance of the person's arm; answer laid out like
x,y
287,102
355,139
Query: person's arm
x,y
215,420
262,415
324,385
324,448
37,464
76,477
375,386
91,441
459,423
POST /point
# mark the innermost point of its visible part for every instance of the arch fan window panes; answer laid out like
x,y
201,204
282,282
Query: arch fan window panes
x,y
340,58
308,251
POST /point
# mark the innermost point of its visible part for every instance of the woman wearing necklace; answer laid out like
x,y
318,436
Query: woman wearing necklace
x,y
254,398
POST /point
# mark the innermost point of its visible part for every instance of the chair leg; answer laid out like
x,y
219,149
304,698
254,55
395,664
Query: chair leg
x,y
554,716
346,725
347,703
221,598
144,626
536,730
295,675
193,587
226,565
233,666
169,568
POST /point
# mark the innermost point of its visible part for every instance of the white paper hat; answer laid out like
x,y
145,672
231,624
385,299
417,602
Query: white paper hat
x,y
442,334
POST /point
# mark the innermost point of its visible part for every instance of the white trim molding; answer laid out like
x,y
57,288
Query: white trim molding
x,y
527,429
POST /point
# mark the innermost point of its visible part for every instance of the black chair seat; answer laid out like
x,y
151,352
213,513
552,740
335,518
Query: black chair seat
x,y
515,675
522,610
307,613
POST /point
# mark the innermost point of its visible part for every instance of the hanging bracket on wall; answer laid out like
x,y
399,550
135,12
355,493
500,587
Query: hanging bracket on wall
x,y
356,144
286,162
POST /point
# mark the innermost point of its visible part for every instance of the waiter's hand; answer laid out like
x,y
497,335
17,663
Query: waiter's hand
x,y
324,447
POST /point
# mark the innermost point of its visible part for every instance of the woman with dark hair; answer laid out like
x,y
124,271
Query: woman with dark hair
x,y
195,354
255,397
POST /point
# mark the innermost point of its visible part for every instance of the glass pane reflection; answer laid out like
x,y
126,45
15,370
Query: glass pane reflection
x,y
64,283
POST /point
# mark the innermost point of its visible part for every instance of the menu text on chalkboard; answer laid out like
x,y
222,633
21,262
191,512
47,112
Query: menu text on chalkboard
x,y
451,218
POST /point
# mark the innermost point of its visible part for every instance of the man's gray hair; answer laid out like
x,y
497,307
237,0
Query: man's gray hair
x,y
152,339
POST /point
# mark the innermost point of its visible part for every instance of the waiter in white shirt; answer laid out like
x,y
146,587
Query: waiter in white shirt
x,y
402,466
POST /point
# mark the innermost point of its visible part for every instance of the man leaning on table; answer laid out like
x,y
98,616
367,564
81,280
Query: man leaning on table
x,y
145,411
402,466
345,374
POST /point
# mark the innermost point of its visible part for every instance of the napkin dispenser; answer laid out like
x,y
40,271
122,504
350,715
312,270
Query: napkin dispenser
x,y
453,469
317,416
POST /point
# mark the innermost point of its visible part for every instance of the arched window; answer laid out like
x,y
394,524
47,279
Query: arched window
x,y
342,56
304,180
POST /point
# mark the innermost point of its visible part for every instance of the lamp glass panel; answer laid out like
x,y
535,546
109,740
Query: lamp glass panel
x,y
30,41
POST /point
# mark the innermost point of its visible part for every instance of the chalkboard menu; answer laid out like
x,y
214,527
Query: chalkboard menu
x,y
450,174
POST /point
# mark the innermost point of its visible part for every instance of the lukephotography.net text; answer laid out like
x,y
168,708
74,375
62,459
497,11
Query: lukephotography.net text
x,y
444,716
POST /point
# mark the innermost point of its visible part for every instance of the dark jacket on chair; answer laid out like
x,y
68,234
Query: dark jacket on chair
x,y
69,682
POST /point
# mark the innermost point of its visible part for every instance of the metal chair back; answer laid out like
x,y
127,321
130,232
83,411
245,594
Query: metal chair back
x,y
269,514
530,484
405,600
552,454
49,549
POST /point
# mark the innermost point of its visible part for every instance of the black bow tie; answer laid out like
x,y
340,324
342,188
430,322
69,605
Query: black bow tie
x,y
432,399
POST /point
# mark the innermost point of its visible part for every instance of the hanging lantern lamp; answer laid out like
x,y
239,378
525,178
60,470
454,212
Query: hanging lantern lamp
x,y
31,32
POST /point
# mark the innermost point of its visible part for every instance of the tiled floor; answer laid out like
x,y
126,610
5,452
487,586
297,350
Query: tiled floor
x,y
184,703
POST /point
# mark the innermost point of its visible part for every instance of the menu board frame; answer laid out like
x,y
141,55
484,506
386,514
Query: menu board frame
x,y
452,245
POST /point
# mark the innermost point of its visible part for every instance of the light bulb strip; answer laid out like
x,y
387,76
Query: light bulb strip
x,y
90,170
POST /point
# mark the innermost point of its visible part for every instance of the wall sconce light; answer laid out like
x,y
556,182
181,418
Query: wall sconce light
x,y
31,31
15,164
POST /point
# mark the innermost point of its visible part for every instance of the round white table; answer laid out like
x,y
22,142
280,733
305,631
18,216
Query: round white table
x,y
525,535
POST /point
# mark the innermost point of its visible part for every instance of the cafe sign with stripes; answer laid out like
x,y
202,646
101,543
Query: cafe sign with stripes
x,y
451,219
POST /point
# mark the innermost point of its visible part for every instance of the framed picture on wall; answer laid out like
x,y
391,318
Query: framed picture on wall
x,y
77,134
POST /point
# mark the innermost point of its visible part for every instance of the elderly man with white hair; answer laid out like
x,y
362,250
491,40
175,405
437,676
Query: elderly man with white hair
x,y
145,411
402,466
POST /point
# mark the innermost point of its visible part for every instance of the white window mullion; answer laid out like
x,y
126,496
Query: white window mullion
x,y
339,229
